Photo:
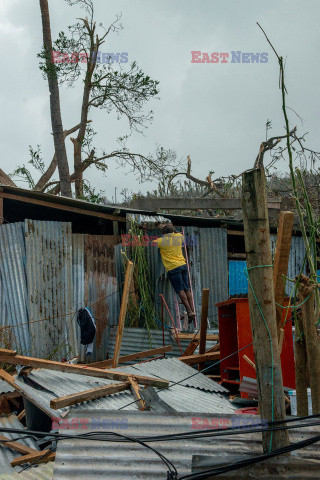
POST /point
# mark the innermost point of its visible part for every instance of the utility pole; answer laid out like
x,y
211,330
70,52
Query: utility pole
x,y
262,305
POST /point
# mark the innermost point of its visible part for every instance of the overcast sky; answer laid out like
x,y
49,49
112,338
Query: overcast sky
x,y
215,112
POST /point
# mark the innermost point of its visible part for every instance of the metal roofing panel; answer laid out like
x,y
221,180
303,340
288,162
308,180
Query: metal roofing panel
x,y
174,370
138,339
49,276
40,472
56,384
214,267
6,454
13,296
5,387
238,283
127,461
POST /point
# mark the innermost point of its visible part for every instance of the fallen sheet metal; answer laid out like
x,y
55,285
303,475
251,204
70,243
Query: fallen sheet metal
x,y
130,461
6,454
200,397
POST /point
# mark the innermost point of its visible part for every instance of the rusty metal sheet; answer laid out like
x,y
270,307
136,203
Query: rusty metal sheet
x,y
50,292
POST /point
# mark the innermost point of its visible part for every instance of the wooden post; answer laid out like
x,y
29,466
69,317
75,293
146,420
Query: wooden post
x,y
262,305
307,294
281,260
123,312
204,323
301,368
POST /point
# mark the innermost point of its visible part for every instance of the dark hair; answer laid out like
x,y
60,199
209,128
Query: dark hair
x,y
168,228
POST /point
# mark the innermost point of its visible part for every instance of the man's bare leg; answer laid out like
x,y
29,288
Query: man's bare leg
x,y
190,300
185,301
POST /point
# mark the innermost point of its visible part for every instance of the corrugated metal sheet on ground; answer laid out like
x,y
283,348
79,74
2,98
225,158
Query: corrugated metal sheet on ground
x,y
238,283
5,387
6,454
49,277
13,288
136,340
41,472
174,370
127,461
181,398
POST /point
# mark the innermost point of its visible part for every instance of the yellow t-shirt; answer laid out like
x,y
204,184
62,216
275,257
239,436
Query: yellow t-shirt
x,y
170,246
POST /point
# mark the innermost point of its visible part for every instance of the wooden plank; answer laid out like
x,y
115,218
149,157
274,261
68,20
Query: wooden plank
x,y
123,312
262,305
34,457
81,370
21,415
8,352
203,323
250,362
58,206
281,260
88,395
18,447
235,232
215,348
133,356
193,345
135,389
191,336
206,357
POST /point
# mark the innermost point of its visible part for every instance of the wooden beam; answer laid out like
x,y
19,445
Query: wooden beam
x,y
235,232
215,348
189,203
193,345
262,305
250,362
58,206
206,357
16,446
191,336
203,323
34,457
88,395
281,260
122,316
135,389
133,356
81,370
8,352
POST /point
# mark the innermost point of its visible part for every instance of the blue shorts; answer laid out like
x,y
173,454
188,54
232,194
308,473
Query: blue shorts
x,y
179,278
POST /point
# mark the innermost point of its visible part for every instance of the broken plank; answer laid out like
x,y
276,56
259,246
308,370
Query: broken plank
x,y
191,336
123,313
135,389
215,348
88,395
191,348
35,458
21,415
81,370
206,357
7,352
133,356
17,446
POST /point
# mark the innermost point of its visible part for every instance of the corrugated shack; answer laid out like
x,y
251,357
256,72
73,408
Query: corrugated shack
x,y
60,254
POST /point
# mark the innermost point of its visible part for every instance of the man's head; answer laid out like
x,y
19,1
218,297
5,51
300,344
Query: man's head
x,y
167,228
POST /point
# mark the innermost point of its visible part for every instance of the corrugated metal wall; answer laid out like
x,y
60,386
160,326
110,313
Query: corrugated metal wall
x,y
238,283
207,253
49,278
13,288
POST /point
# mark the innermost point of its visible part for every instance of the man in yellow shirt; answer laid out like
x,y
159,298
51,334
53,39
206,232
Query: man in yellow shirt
x,y
170,246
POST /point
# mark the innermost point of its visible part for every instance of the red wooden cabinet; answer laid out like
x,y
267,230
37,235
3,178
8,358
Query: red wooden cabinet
x,y
235,334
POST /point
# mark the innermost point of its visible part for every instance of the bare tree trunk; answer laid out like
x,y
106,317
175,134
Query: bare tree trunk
x,y
56,122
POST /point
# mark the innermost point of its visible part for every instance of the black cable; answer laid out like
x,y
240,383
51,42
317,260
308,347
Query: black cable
x,y
37,460
251,461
